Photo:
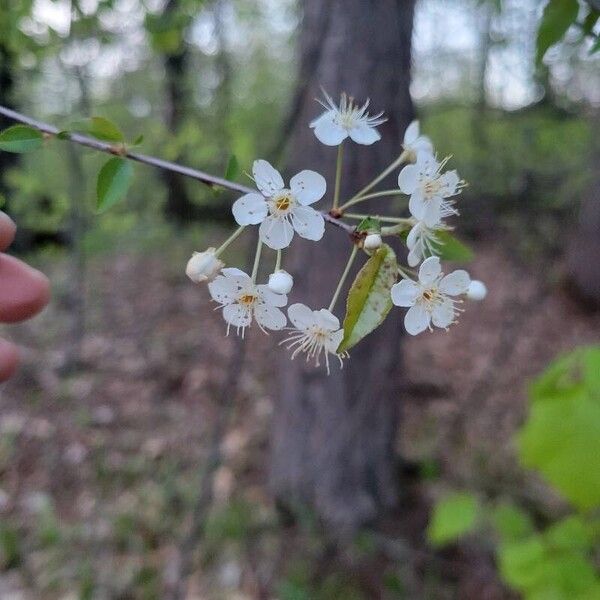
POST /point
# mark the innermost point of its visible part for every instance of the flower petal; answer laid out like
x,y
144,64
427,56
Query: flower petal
x,y
415,256
308,187
422,144
364,134
449,183
455,283
225,289
327,130
334,341
416,320
405,292
269,316
427,165
417,205
433,211
237,315
276,233
430,269
326,319
271,297
268,179
301,316
308,222
411,133
443,314
407,179
250,209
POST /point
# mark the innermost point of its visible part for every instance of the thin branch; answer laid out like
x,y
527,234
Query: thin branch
x,y
121,150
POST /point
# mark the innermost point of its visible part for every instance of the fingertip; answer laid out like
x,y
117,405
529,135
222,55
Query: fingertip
x,y
9,360
7,231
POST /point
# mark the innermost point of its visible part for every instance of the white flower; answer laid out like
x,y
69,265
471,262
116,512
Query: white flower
x,y
281,282
429,188
314,332
422,241
281,211
429,298
347,119
242,300
203,266
372,241
414,142
477,290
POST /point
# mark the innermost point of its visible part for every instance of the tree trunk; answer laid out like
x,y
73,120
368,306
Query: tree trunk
x,y
333,437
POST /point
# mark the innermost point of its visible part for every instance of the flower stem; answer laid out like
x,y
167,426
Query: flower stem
x,y
278,261
338,175
256,260
230,239
356,200
360,217
343,278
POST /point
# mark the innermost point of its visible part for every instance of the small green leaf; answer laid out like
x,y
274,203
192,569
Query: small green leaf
x,y
558,16
511,522
106,130
370,225
20,139
453,517
114,180
451,248
369,300
233,168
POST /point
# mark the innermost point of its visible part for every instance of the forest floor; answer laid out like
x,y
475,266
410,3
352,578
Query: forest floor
x,y
99,464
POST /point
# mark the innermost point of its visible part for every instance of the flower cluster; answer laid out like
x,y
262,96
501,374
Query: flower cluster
x,y
432,298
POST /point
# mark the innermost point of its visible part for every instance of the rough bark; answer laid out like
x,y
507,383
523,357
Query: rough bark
x,y
333,437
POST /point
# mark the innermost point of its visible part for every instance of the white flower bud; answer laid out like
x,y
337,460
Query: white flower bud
x,y
280,282
372,241
203,266
477,290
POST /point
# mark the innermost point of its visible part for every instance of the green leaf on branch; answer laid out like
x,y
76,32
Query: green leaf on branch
x,y
451,248
453,517
114,180
561,438
369,300
20,139
558,16
106,130
233,168
369,225
511,522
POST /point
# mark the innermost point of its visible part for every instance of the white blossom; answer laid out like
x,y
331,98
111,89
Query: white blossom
x,y
315,332
279,210
242,301
422,241
429,298
203,266
372,241
477,290
281,282
346,120
414,142
429,188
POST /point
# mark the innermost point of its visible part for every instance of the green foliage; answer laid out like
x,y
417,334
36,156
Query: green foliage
x,y
369,299
114,180
558,16
511,522
20,139
106,130
451,248
453,517
232,171
369,225
10,547
561,438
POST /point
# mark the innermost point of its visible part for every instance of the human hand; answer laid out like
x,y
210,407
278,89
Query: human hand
x,y
23,293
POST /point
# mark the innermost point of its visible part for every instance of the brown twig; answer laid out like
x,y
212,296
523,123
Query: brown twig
x,y
121,150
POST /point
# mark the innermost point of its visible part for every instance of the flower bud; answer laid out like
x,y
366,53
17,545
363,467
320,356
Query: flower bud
x,y
372,241
477,290
280,282
203,266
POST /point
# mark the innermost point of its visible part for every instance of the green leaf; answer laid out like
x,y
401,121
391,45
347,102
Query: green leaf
x,y
114,180
561,437
596,47
558,16
106,130
451,248
369,225
572,533
511,522
20,139
453,517
138,140
369,300
233,168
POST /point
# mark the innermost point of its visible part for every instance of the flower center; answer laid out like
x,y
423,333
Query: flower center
x,y
430,297
282,203
247,299
431,188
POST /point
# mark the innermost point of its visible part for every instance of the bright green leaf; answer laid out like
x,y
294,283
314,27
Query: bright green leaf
x,y
114,180
106,130
561,437
20,139
233,168
453,517
451,248
369,300
558,16
369,225
138,140
511,522
572,533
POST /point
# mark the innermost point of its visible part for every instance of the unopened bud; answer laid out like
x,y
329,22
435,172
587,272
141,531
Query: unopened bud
x,y
372,242
477,290
203,266
280,282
